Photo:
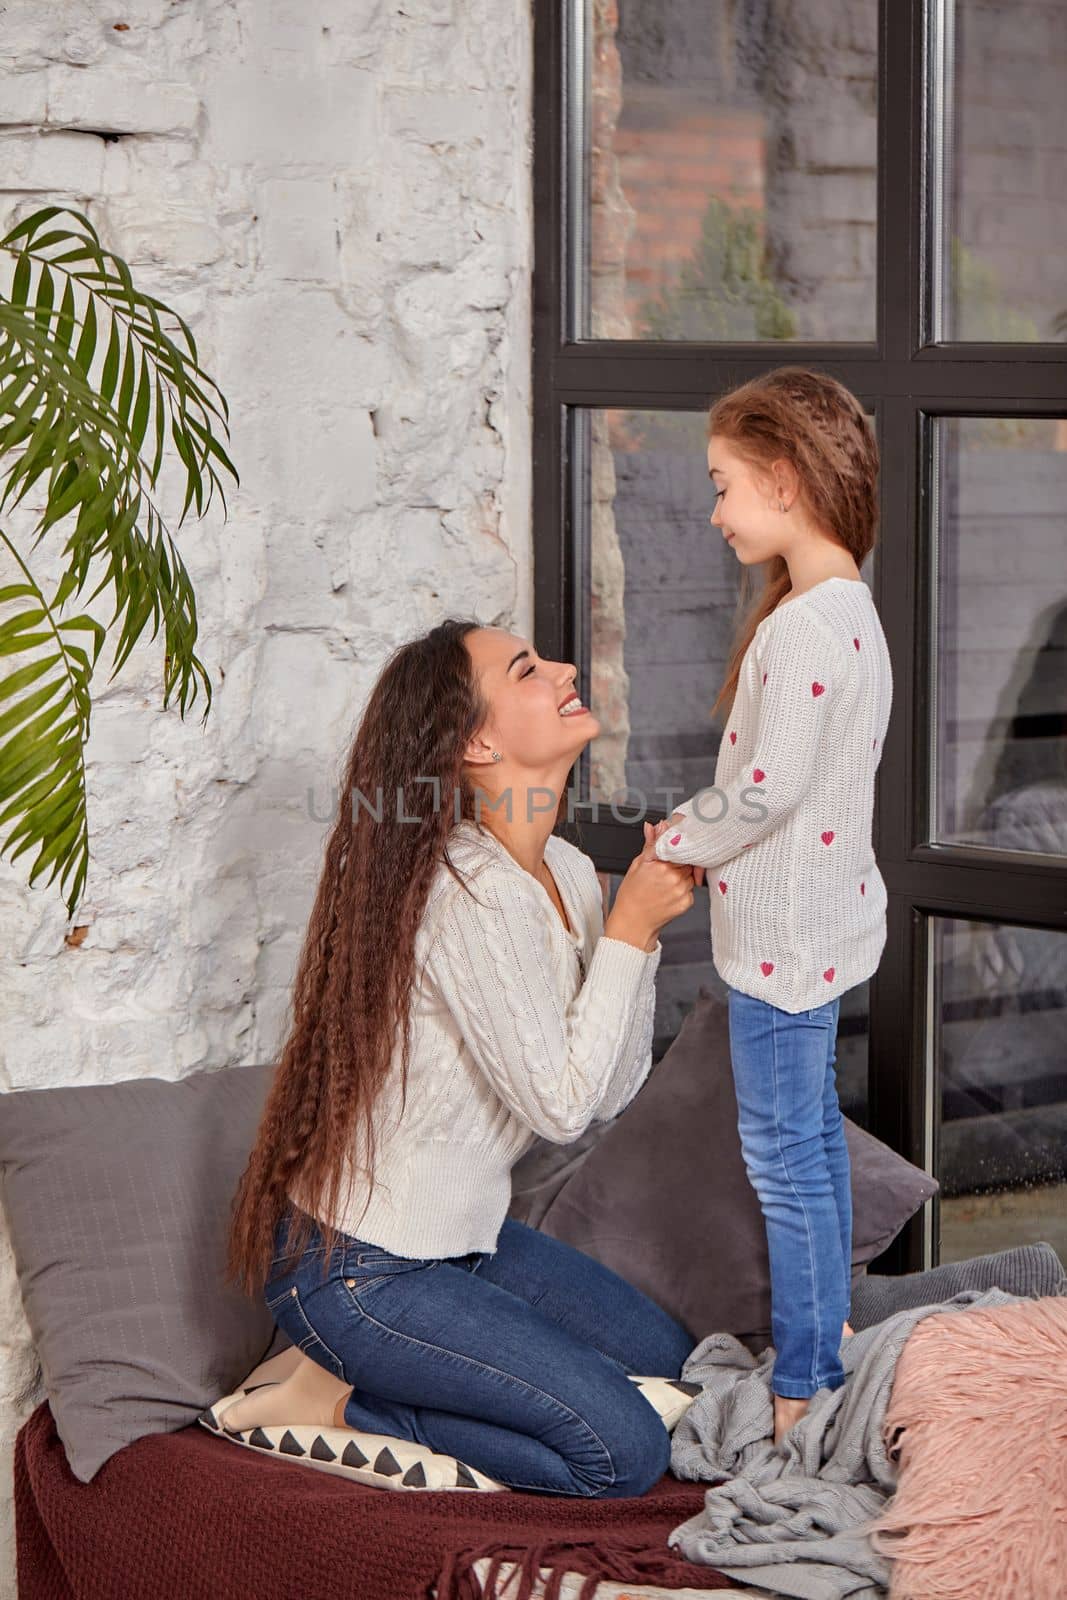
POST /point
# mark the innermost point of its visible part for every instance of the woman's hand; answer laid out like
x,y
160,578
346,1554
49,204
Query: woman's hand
x,y
652,893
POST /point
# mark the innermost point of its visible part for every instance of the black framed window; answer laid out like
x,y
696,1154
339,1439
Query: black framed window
x,y
875,190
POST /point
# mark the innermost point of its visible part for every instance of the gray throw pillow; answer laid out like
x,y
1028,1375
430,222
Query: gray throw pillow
x,y
662,1196
118,1202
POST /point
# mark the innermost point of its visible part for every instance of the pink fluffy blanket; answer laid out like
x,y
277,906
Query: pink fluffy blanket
x,y
977,1423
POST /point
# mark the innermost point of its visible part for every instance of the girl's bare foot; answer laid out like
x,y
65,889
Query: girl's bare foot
x,y
786,1413
308,1394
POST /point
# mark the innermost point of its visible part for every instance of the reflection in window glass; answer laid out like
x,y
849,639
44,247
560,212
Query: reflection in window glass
x,y
660,631
729,161
686,970
1000,728
1000,1054
999,126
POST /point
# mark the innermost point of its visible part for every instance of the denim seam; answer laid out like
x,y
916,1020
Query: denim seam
x,y
316,1336
796,1195
819,1383
485,1367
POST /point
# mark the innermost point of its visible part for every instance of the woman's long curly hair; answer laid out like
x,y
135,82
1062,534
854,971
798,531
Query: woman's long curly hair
x,y
813,421
352,990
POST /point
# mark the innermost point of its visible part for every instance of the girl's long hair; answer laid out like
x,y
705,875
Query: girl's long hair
x,y
352,989
813,421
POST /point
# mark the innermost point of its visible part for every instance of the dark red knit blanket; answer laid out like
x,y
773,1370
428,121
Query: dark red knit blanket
x,y
188,1514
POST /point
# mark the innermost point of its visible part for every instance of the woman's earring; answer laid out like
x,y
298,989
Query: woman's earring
x,y
781,505
497,756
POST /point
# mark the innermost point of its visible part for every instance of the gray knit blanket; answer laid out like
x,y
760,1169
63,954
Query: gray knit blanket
x,y
791,1518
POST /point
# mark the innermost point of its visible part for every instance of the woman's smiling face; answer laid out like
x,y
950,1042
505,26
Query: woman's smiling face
x,y
525,694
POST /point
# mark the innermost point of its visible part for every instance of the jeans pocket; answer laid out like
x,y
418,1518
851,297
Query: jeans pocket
x,y
289,1308
274,1299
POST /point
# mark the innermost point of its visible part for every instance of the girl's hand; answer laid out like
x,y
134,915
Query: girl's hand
x,y
671,822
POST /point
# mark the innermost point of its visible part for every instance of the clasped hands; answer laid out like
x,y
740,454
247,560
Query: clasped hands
x,y
652,833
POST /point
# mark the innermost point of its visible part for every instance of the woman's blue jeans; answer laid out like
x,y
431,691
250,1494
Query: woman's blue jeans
x,y
793,1143
514,1362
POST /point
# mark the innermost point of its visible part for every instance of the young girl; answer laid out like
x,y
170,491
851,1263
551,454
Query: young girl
x,y
797,901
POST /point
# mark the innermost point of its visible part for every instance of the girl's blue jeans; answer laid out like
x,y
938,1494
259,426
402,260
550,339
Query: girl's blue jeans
x,y
793,1143
514,1362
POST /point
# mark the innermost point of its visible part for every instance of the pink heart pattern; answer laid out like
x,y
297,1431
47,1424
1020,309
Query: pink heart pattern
x,y
828,836
676,839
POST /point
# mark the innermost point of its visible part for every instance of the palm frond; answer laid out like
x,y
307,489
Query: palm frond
x,y
44,723
95,376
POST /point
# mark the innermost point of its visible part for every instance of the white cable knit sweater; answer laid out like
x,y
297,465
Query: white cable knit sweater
x,y
507,1042
797,901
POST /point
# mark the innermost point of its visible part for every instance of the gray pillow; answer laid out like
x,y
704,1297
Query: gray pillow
x,y
118,1202
662,1196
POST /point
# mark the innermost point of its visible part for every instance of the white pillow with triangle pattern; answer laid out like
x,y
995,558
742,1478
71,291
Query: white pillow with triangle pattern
x,y
384,1462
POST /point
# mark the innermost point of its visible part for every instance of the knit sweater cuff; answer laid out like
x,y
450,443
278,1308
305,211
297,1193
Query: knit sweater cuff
x,y
624,965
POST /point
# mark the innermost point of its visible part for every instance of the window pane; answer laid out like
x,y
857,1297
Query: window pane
x,y
686,968
1000,1054
659,635
999,202
1000,722
727,170
656,643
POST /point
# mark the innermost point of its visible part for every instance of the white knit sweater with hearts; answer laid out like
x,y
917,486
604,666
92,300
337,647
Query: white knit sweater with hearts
x,y
797,901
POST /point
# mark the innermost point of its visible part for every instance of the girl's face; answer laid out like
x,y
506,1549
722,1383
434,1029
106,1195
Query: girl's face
x,y
746,507
525,694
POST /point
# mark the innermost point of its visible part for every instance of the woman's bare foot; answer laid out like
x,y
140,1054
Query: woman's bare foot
x,y
786,1413
274,1370
309,1394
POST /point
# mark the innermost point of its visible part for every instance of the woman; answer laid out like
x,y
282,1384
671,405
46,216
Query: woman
x,y
458,994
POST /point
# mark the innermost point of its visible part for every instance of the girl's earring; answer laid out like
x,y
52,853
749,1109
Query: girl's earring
x,y
497,756
781,505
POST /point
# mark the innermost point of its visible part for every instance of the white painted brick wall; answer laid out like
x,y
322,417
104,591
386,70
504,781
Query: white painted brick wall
x,y
335,194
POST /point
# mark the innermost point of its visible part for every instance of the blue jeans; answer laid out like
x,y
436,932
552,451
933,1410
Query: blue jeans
x,y
514,1362
793,1143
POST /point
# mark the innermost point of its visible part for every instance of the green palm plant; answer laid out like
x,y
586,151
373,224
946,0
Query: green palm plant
x,y
94,375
